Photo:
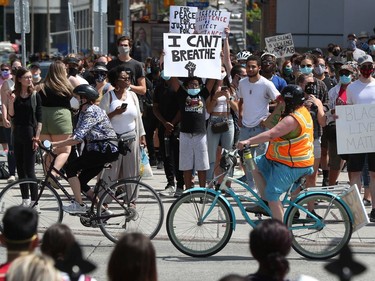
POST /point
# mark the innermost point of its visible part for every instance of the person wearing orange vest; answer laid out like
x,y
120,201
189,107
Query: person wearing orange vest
x,y
290,152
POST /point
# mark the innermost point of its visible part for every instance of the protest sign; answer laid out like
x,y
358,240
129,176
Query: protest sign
x,y
182,19
212,22
192,55
355,128
280,45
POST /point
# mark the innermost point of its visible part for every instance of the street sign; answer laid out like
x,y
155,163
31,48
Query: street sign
x,y
201,4
100,7
21,16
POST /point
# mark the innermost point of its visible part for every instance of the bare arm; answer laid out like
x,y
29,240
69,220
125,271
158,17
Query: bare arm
x,y
4,104
67,142
240,112
141,88
226,52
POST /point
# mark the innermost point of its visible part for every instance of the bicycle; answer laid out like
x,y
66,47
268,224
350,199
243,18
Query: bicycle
x,y
125,205
201,222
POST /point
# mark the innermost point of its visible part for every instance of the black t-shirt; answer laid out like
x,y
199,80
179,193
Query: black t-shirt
x,y
133,65
54,99
193,111
166,100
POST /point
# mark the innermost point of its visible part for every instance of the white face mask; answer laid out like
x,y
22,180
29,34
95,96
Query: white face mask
x,y
122,50
74,103
223,74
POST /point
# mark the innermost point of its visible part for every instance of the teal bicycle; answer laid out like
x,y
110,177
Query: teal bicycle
x,y
201,222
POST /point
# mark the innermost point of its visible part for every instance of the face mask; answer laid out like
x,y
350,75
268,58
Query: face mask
x,y
122,50
351,45
319,70
72,71
243,64
372,48
36,76
366,72
193,92
74,103
166,78
100,77
288,70
223,74
336,52
345,79
5,73
306,70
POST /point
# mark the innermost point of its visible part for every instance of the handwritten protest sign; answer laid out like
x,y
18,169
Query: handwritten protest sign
x,y
182,19
280,45
212,22
192,55
355,128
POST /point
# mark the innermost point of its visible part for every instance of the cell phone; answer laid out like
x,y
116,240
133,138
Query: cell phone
x,y
124,105
311,88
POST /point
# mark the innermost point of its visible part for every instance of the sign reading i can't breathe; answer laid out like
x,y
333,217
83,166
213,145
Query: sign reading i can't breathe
x,y
280,45
189,55
182,19
355,128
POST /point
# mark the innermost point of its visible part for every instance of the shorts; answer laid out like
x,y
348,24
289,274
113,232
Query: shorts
x,y
3,136
279,177
334,159
56,121
193,152
356,162
324,138
317,149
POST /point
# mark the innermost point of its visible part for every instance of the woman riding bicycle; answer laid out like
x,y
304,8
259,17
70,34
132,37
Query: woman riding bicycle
x,y
93,127
290,152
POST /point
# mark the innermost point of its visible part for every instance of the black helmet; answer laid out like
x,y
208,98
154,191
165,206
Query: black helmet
x,y
293,95
86,91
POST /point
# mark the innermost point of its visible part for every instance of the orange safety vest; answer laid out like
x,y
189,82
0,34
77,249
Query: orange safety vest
x,y
297,152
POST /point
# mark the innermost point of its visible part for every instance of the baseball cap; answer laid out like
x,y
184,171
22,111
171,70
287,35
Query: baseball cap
x,y
317,51
363,34
364,59
72,60
99,66
35,64
347,67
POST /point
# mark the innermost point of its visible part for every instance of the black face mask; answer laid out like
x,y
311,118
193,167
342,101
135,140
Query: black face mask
x,y
336,52
72,71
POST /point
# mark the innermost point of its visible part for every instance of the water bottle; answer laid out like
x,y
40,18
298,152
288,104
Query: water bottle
x,y
248,159
166,146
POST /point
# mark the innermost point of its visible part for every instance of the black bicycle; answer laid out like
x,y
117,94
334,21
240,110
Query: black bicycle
x,y
126,205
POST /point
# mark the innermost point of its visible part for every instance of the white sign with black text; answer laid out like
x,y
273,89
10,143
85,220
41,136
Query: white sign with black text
x,y
280,45
182,19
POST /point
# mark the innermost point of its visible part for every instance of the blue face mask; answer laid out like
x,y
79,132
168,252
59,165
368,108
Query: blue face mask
x,y
148,70
166,78
372,47
345,79
306,70
243,64
193,92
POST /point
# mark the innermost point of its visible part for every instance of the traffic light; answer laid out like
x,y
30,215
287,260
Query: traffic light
x,y
4,2
168,3
118,27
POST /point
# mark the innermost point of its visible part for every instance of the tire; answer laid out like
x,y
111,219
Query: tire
x,y
147,216
195,238
49,205
324,242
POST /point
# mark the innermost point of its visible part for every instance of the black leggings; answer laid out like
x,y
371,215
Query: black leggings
x,y
25,162
90,163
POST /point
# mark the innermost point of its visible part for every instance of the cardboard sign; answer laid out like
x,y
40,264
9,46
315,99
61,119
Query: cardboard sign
x,y
189,55
212,22
355,128
182,19
280,45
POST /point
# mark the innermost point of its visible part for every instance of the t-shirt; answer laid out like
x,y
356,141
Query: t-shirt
x,y
193,111
256,97
133,65
166,100
3,270
53,99
361,93
279,82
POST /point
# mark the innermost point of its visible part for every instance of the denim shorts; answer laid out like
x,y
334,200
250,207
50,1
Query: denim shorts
x,y
279,177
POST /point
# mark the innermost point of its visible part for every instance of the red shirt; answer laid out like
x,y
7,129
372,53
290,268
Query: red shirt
x,y
3,270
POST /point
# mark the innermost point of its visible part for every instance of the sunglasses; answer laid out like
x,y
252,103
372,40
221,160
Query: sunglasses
x,y
367,66
4,69
304,65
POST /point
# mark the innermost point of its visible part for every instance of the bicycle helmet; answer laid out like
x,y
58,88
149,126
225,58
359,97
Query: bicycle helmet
x,y
293,96
243,55
86,91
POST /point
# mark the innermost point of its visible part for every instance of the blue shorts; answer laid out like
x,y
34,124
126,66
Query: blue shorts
x,y
279,177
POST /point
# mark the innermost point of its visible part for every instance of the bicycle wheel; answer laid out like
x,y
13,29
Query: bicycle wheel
x,y
319,242
139,210
49,205
192,236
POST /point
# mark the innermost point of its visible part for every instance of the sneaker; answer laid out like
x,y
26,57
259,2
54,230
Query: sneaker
x,y
25,202
11,179
75,208
169,191
366,202
372,215
178,192
53,183
257,210
160,165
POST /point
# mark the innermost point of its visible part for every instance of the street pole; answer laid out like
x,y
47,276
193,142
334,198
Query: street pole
x,y
101,28
48,49
23,33
244,24
126,17
32,27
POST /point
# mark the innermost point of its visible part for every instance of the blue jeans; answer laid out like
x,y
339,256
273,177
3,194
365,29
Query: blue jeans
x,y
245,133
225,139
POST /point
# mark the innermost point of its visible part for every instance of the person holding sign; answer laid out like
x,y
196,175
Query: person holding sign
x,y
192,97
362,91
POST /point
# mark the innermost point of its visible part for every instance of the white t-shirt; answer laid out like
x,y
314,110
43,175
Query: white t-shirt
x,y
124,122
361,93
256,97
